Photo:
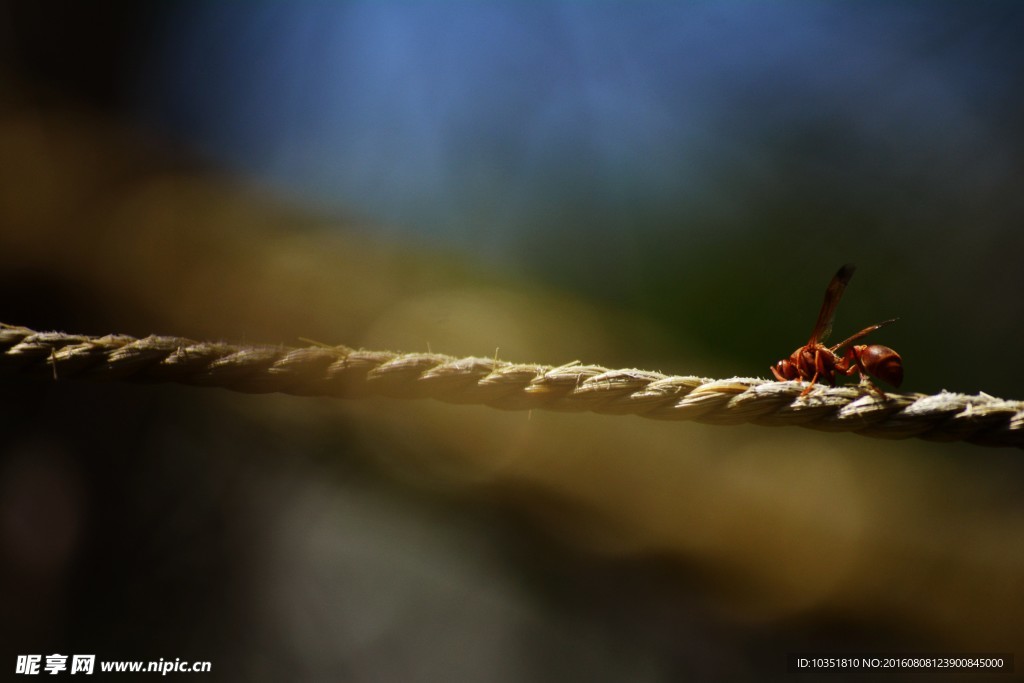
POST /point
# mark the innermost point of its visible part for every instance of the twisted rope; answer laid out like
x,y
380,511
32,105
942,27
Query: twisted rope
x,y
344,372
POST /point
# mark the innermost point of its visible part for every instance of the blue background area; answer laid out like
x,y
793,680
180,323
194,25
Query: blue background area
x,y
708,164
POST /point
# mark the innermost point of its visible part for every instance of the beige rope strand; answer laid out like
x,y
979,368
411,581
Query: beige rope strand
x,y
345,372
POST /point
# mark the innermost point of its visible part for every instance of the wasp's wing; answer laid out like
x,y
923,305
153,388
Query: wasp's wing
x,y
823,326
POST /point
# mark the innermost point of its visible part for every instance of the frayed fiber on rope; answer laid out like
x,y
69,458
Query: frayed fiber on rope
x,y
344,372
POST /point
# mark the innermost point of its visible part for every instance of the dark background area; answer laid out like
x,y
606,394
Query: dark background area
x,y
660,186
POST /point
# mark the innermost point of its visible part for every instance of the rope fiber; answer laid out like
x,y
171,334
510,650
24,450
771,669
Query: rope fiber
x,y
344,372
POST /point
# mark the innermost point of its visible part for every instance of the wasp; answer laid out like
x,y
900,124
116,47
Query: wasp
x,y
814,362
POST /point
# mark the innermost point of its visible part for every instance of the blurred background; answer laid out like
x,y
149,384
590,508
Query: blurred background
x,y
653,185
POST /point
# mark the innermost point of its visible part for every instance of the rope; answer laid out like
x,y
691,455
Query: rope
x,y
344,372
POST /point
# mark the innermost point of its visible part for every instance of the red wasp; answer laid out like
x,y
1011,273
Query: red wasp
x,y
814,361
